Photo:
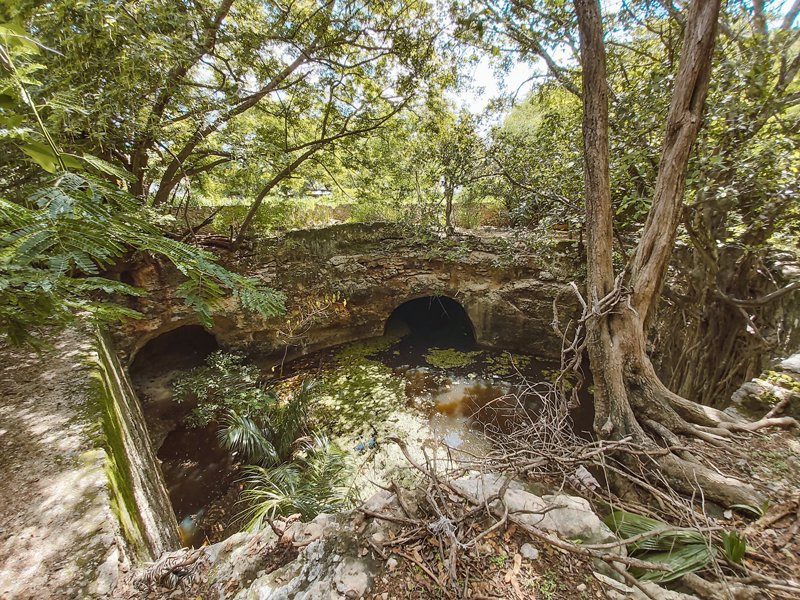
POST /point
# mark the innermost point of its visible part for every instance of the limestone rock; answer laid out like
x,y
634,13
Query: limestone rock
x,y
572,519
757,397
375,269
529,552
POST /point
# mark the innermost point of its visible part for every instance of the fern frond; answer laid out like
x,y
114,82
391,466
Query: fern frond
x,y
109,169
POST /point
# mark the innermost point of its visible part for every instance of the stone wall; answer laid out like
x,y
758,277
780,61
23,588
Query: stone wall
x,y
81,496
506,285
140,496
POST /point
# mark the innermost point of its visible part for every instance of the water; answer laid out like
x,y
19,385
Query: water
x,y
425,380
197,471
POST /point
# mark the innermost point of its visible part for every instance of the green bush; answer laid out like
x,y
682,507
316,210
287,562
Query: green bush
x,y
292,469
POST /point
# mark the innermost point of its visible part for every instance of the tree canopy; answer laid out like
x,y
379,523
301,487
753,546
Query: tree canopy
x,y
114,117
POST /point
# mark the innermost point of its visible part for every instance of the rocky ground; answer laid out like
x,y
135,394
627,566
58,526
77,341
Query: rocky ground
x,y
392,550
58,538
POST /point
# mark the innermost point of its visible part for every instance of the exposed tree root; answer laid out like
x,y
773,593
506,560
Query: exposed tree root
x,y
722,591
692,478
781,422
654,408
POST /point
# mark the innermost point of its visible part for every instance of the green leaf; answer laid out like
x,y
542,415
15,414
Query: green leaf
x,y
71,161
757,511
682,560
7,102
12,121
45,159
14,35
734,546
109,169
627,525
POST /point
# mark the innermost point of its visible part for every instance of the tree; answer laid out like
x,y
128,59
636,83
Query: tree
x,y
67,228
456,155
187,74
741,178
629,397
645,44
743,191
533,156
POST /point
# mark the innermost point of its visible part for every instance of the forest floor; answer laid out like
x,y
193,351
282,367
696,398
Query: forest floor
x,y
508,564
41,423
773,539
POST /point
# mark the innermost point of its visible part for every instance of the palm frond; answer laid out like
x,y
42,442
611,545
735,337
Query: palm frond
x,y
319,483
627,525
681,560
240,433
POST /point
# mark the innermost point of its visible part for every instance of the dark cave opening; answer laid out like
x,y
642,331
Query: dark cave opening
x,y
183,348
438,318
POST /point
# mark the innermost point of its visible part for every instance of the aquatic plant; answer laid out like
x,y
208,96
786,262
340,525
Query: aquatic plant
x,y
359,351
451,359
360,394
506,364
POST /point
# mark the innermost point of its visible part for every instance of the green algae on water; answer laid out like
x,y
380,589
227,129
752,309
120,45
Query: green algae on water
x,y
359,351
506,364
451,359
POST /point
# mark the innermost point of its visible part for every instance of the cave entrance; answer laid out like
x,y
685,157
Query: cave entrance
x,y
183,348
196,469
433,318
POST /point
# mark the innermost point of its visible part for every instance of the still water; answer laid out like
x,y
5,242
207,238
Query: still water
x,y
425,380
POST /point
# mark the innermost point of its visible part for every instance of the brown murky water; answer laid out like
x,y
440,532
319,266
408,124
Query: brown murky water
x,y
462,394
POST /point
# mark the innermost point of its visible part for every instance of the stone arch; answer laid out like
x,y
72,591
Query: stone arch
x,y
185,346
433,315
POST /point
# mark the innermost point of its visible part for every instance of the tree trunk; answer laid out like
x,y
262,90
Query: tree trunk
x,y
448,209
629,397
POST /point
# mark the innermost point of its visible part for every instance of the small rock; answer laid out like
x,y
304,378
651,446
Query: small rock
x,y
378,537
391,564
529,552
385,596
581,587
351,580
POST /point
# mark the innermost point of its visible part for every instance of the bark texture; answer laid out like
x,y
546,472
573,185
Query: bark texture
x,y
630,400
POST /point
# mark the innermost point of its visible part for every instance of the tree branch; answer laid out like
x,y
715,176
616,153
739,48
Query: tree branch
x,y
760,301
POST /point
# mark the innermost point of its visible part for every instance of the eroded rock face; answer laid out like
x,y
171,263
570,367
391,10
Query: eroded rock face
x,y
506,288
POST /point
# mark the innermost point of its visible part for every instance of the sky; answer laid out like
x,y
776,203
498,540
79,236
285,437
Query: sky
x,y
484,75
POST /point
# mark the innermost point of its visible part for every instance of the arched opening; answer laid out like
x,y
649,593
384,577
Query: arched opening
x,y
196,469
433,318
156,367
183,348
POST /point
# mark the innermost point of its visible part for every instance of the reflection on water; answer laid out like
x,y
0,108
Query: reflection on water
x,y
477,393
459,407
197,471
